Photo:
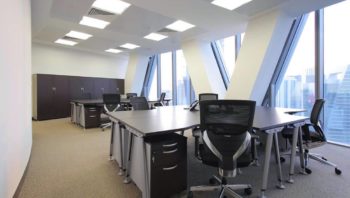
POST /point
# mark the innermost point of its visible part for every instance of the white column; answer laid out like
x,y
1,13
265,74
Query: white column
x,y
258,56
202,68
135,73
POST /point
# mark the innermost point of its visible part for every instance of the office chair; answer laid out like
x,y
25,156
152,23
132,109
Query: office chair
x,y
226,126
130,95
196,132
111,103
127,106
160,102
312,137
139,103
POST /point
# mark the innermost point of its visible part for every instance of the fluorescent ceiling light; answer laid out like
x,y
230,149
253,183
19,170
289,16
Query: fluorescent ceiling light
x,y
180,26
113,6
129,46
115,51
96,23
65,42
155,37
78,35
230,4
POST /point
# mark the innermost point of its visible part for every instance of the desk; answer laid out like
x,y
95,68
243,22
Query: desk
x,y
79,109
170,119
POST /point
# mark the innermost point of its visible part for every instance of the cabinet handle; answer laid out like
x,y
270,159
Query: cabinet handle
x,y
170,145
92,116
168,152
170,168
53,88
92,109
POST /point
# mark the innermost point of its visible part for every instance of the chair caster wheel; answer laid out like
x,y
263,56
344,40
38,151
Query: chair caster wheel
x,y
308,171
282,160
212,181
248,191
324,158
337,171
190,194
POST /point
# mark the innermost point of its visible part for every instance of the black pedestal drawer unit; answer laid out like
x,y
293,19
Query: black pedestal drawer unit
x,y
168,164
92,116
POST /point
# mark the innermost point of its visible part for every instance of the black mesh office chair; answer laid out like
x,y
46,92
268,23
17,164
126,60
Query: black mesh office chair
x,y
196,132
226,126
111,102
139,103
160,102
313,137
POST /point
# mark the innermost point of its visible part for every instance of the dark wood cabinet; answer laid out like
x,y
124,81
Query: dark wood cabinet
x,y
54,92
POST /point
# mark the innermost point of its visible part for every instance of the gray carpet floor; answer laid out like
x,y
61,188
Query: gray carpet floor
x,y
69,162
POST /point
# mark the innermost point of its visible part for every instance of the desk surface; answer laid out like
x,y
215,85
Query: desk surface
x,y
174,118
97,101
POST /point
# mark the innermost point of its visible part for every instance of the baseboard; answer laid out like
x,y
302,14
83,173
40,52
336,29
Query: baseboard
x,y
20,185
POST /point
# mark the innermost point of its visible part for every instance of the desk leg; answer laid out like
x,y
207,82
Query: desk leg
x,y
292,156
266,164
111,146
128,157
279,169
121,150
145,170
301,151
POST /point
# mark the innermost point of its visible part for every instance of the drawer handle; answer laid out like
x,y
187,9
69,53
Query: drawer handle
x,y
170,145
168,152
170,168
92,116
92,109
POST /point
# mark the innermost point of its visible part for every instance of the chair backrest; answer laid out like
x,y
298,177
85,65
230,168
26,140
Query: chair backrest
x,y
139,103
208,96
316,111
162,97
226,125
111,101
130,95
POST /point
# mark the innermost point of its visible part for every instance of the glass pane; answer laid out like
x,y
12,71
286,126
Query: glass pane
x,y
337,73
297,89
166,74
152,95
228,50
183,80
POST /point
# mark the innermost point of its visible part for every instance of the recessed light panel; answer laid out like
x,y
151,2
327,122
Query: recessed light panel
x,y
129,46
113,6
78,35
230,4
115,51
180,26
65,42
92,22
155,37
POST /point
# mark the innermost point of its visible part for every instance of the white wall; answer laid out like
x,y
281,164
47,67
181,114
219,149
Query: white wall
x,y
15,85
65,61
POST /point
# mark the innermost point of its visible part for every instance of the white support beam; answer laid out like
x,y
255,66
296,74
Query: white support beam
x,y
259,54
135,73
202,68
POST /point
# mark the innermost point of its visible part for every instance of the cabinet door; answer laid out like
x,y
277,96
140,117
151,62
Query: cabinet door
x,y
45,97
87,88
113,86
61,96
120,85
101,86
75,90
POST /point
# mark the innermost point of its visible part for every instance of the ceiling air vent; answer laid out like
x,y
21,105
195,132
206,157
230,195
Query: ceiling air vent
x,y
95,11
166,30
70,38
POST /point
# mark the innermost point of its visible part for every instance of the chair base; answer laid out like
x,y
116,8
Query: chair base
x,y
223,188
106,125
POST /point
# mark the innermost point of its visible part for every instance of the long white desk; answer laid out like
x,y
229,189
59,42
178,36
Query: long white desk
x,y
128,147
